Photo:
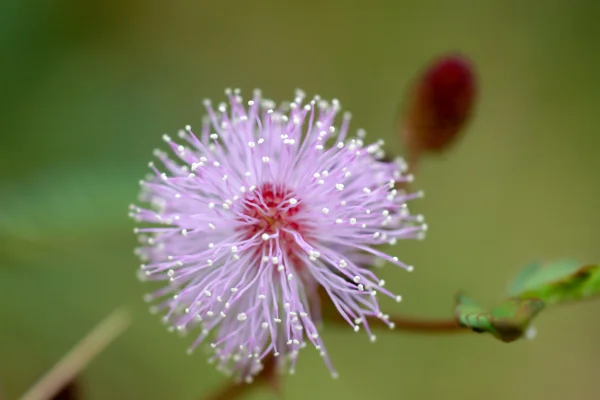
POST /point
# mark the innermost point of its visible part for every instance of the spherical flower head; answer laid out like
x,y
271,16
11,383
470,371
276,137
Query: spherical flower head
x,y
261,209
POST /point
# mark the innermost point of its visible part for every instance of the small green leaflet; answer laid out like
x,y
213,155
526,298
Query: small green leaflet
x,y
508,321
557,282
537,286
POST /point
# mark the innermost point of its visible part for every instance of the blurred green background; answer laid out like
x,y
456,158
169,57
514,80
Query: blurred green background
x,y
89,87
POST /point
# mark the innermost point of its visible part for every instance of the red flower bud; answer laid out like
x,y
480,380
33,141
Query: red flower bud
x,y
439,106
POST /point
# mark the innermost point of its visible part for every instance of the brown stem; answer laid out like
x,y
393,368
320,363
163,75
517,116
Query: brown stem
x,y
330,313
410,324
412,160
268,375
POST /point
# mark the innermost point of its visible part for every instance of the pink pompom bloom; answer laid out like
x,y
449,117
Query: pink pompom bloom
x,y
262,208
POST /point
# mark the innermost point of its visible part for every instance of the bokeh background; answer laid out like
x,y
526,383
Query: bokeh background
x,y
88,87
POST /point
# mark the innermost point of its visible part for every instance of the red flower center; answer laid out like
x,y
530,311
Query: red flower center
x,y
273,210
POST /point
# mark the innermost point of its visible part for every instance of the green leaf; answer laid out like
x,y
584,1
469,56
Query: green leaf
x,y
537,274
557,282
507,322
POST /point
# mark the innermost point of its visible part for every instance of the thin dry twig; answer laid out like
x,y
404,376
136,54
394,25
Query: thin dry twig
x,y
80,356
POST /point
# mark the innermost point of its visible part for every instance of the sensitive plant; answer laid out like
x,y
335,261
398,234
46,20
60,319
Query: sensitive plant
x,y
267,223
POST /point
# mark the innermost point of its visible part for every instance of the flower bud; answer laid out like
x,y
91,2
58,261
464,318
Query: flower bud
x,y
439,106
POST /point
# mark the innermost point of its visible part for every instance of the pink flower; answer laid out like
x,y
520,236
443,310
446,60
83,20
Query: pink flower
x,y
264,206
